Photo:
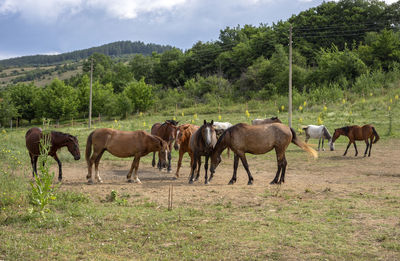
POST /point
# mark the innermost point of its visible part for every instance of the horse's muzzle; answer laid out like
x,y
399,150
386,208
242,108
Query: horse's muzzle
x,y
77,157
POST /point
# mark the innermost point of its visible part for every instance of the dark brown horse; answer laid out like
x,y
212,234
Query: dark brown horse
x,y
167,132
183,135
258,139
358,133
265,121
202,143
122,144
57,140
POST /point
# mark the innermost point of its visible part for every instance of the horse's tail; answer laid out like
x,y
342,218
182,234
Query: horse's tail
x,y
303,145
88,147
376,135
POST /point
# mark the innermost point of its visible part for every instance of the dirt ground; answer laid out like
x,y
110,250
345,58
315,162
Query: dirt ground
x,y
331,171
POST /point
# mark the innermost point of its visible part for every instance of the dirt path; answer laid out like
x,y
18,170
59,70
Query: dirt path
x,y
331,172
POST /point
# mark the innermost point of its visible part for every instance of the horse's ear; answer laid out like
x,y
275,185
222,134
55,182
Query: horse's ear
x,y
205,122
212,122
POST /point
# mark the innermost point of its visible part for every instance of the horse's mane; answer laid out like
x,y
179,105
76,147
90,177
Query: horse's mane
x,y
199,135
173,122
326,133
345,129
59,133
274,118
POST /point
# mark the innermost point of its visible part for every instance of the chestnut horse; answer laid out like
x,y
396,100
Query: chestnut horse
x,y
202,143
183,135
122,144
265,121
358,133
57,140
257,139
167,132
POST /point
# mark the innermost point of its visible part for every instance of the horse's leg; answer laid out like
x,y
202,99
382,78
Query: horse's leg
x,y
283,164
32,164
198,169
323,139
246,167
366,149
206,169
370,147
135,165
355,147
35,159
169,162
278,172
59,167
235,167
181,152
96,167
307,137
92,159
228,150
193,167
319,143
153,163
348,145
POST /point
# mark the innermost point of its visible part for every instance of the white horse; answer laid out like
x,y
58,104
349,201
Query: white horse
x,y
220,127
319,132
265,121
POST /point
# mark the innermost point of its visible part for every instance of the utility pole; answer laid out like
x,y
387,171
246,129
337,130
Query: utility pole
x,y
90,95
290,76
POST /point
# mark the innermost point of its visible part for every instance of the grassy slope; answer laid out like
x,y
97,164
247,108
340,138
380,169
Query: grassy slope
x,y
292,226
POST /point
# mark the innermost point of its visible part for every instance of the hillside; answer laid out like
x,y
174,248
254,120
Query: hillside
x,y
112,49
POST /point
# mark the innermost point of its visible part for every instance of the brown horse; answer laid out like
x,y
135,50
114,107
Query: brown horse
x,y
265,121
57,140
358,133
183,135
202,143
167,132
258,139
122,144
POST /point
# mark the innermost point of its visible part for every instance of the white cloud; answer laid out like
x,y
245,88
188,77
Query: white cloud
x,y
52,10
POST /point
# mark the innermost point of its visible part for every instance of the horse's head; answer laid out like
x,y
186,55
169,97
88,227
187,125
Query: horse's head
x,y
163,153
331,145
208,134
73,147
180,135
215,160
336,135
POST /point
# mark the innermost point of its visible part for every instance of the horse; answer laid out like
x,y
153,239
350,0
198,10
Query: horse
x,y
265,121
257,139
202,143
319,132
122,144
220,127
167,131
57,140
183,135
358,133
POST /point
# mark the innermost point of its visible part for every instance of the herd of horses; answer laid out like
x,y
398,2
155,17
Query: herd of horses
x,y
208,140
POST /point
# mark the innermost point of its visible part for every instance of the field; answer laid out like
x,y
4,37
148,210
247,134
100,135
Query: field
x,y
332,208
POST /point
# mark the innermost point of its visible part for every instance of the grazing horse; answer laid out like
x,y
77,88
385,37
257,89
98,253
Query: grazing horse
x,y
122,144
57,140
257,139
358,133
183,135
265,121
202,143
167,132
319,132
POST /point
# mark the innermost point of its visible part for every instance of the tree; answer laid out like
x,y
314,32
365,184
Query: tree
x,y
8,111
23,96
57,101
141,95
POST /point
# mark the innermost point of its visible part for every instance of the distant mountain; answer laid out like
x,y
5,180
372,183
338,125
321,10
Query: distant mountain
x,y
113,49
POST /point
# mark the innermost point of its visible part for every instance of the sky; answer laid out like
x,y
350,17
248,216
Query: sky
x,y
29,27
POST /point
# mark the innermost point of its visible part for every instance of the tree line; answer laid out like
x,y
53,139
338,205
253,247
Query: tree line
x,y
358,52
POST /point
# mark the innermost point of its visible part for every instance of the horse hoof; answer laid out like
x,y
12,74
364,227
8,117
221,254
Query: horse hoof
x,y
130,181
191,181
273,182
206,182
250,183
231,182
90,182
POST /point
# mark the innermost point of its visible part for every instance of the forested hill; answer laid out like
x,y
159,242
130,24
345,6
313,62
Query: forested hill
x,y
112,49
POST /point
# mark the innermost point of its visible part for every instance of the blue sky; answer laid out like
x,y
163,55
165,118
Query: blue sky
x,y
29,27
